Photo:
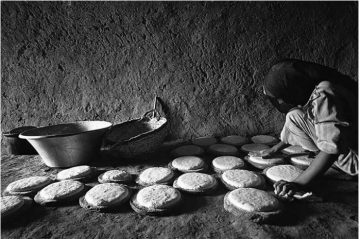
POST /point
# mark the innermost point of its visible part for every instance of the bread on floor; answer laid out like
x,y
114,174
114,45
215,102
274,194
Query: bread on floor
x,y
188,164
204,141
195,182
239,178
264,139
223,163
155,175
105,195
235,140
223,150
28,185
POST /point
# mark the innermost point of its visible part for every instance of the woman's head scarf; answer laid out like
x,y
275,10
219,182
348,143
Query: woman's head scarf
x,y
294,80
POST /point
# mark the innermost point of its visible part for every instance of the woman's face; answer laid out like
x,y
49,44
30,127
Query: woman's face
x,y
279,104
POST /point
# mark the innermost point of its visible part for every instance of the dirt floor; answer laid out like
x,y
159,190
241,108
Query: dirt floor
x,y
336,216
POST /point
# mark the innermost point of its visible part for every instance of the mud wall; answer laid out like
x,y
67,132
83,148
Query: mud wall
x,y
67,61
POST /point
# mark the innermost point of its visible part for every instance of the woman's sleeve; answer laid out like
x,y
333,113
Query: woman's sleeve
x,y
329,120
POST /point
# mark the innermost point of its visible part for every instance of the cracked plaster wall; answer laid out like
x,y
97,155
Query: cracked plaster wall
x,y
67,61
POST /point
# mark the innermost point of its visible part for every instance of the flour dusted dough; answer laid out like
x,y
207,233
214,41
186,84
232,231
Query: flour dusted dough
x,y
283,172
116,175
156,175
235,140
223,149
304,160
61,190
196,181
10,204
188,163
254,147
204,141
264,139
106,194
252,200
28,184
188,150
238,178
74,172
158,196
227,162
293,149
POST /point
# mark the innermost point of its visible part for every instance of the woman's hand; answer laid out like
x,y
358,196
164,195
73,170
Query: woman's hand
x,y
286,190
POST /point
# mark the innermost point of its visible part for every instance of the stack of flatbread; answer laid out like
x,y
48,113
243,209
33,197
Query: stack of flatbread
x,y
12,206
115,176
105,196
156,199
264,139
260,205
261,163
187,150
255,148
301,161
60,192
155,175
80,173
238,178
28,186
235,140
204,141
222,163
223,150
196,183
187,164
294,149
282,172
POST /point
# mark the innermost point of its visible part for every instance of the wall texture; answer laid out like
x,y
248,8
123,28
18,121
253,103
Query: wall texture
x,y
66,61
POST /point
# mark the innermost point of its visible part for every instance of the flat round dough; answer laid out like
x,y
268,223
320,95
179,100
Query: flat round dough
x,y
28,184
158,196
74,172
260,161
223,149
188,150
235,140
304,160
227,162
10,204
239,178
254,147
61,190
156,175
188,163
253,200
106,194
283,172
294,149
264,139
204,141
116,175
196,181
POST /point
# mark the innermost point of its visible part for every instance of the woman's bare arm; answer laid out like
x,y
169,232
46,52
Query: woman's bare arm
x,y
321,163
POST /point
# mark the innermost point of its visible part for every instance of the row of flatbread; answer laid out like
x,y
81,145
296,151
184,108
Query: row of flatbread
x,y
156,196
233,146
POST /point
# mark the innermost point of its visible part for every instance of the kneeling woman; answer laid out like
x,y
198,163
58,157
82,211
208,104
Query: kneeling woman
x,y
321,106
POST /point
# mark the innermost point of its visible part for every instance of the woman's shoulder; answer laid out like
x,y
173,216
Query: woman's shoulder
x,y
325,85
331,88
